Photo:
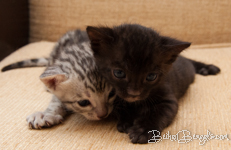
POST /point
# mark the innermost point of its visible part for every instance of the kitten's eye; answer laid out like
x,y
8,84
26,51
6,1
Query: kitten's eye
x,y
111,94
151,77
84,103
119,74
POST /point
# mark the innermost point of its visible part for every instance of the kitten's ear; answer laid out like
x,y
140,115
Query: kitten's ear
x,y
172,48
52,77
99,36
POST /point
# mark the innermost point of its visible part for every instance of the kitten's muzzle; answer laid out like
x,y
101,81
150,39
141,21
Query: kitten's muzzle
x,y
133,93
132,99
102,114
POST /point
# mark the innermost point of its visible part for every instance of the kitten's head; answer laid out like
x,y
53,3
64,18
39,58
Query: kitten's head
x,y
93,100
133,58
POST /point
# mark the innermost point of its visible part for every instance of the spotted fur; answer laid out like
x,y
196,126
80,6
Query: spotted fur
x,y
73,79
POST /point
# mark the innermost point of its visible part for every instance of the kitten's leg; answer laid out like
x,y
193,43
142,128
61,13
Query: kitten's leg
x,y
120,111
124,122
54,114
205,69
160,116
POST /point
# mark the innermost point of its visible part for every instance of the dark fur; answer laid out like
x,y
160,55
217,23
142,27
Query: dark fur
x,y
138,51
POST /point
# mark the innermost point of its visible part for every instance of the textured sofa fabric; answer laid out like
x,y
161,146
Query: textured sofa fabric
x,y
197,21
206,106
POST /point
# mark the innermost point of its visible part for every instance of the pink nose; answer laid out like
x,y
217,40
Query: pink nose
x,y
133,92
102,115
102,112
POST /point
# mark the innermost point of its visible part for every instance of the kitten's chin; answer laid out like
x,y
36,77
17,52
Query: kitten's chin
x,y
132,99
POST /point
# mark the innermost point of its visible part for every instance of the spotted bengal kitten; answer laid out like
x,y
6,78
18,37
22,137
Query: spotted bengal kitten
x,y
73,79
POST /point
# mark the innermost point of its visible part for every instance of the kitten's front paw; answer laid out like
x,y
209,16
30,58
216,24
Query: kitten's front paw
x,y
123,126
42,119
140,135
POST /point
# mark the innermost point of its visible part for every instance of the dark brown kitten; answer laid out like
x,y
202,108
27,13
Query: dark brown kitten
x,y
147,73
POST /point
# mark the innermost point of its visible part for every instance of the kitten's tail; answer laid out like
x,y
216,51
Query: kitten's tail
x,y
205,69
37,62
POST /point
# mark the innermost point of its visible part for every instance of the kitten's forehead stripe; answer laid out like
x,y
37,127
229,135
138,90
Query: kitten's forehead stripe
x,y
86,52
82,66
80,46
90,61
88,94
79,95
89,87
76,58
89,77
80,73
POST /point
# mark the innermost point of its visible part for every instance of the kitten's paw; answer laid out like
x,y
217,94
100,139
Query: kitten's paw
x,y
123,126
38,120
139,134
209,70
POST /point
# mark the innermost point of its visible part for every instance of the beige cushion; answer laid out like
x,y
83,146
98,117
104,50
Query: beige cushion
x,y
197,21
206,106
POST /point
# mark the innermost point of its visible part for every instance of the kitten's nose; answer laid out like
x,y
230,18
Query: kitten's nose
x,y
133,92
102,115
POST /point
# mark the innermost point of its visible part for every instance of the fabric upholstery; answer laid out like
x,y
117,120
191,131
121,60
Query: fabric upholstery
x,y
206,106
197,21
